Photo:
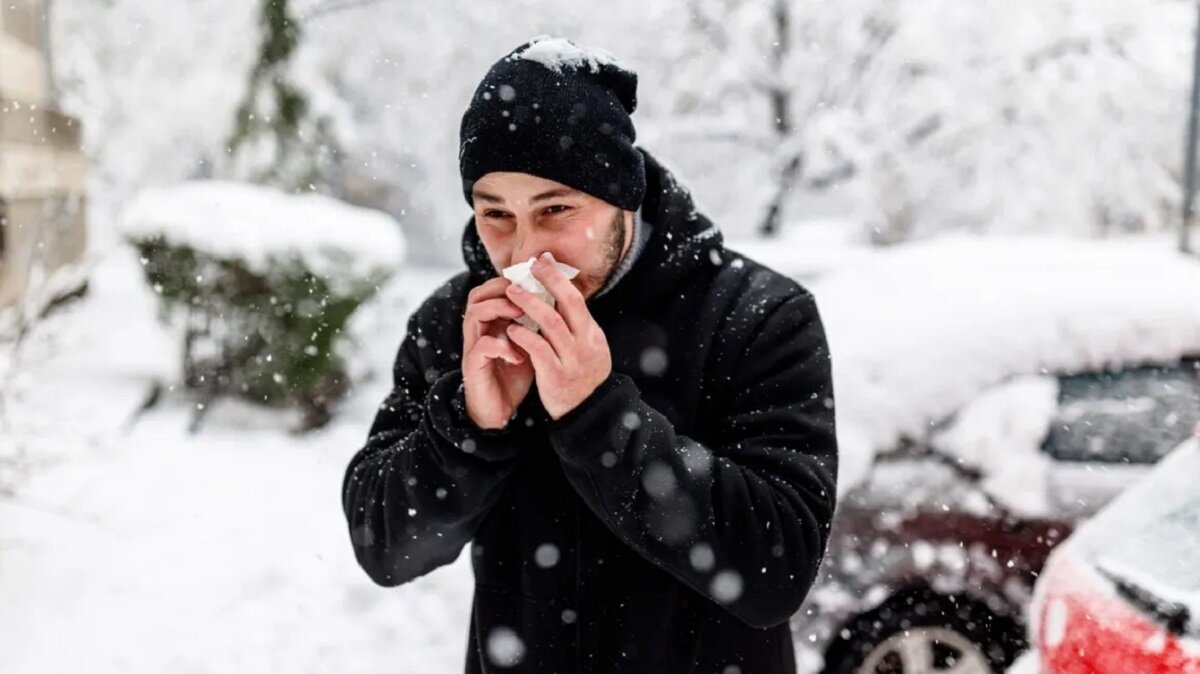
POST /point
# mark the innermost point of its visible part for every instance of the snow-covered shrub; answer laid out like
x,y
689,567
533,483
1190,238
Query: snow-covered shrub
x,y
265,283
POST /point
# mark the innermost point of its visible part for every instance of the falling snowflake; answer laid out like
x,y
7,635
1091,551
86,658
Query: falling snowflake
x,y
504,647
701,556
653,361
658,480
726,586
546,555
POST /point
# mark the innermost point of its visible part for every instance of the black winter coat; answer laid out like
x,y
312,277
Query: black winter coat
x,y
672,522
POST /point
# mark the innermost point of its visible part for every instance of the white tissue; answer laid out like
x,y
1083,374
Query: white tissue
x,y
522,274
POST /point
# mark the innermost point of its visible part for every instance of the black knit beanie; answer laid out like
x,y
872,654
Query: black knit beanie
x,y
553,109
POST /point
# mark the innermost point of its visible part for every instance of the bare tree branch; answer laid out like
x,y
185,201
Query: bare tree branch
x,y
706,26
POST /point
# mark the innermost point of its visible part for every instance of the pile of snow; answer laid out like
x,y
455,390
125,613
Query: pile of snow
x,y
556,53
808,249
263,226
42,291
917,332
146,548
1000,435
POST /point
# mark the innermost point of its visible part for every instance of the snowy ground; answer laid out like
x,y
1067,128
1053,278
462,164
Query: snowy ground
x,y
144,549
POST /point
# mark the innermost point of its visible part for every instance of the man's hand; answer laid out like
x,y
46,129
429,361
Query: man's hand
x,y
496,375
570,356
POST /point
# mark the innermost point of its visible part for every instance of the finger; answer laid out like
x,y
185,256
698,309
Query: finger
x,y
553,326
492,288
493,348
539,350
481,314
490,310
568,300
488,289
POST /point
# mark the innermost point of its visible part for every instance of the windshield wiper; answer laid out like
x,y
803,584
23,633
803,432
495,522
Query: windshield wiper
x,y
1175,616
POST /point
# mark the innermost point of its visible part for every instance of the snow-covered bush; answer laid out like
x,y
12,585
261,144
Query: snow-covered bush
x,y
265,283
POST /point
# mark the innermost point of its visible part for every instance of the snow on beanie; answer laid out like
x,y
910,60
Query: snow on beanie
x,y
553,109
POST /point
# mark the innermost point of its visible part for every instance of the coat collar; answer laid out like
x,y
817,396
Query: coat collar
x,y
682,241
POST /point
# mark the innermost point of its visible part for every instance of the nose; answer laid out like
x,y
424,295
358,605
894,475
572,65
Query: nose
x,y
531,244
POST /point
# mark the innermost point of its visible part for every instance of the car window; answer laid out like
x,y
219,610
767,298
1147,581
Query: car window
x,y
1132,415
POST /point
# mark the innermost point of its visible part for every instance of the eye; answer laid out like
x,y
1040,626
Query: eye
x,y
494,214
550,209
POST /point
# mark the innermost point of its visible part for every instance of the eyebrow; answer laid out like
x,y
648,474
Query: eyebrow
x,y
549,194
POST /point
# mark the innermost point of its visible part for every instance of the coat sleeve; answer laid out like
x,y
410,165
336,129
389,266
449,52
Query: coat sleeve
x,y
744,519
415,494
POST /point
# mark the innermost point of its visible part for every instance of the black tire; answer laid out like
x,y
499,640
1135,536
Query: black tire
x,y
870,636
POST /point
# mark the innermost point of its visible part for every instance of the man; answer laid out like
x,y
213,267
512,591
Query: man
x,y
649,478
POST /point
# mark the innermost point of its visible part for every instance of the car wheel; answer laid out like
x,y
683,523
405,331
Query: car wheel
x,y
918,631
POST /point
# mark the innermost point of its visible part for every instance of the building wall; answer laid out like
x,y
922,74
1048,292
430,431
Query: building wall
x,y
42,168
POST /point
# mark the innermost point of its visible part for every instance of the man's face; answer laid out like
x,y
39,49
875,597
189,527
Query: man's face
x,y
518,216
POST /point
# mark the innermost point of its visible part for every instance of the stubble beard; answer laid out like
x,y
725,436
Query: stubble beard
x,y
614,244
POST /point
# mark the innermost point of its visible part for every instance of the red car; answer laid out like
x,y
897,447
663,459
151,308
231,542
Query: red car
x,y
1122,594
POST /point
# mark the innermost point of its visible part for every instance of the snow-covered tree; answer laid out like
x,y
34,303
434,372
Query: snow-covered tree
x,y
912,117
991,116
278,139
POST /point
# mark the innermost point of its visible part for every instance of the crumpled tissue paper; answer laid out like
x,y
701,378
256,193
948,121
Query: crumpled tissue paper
x,y
522,274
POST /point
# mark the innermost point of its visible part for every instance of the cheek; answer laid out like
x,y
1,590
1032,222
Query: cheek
x,y
496,245
491,237
595,234
585,253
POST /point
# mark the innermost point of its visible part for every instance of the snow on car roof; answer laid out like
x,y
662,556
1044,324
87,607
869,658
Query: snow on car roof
x,y
917,331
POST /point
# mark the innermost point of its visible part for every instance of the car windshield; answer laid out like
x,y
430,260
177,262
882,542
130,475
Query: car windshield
x,y
1150,535
1166,548
1133,415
